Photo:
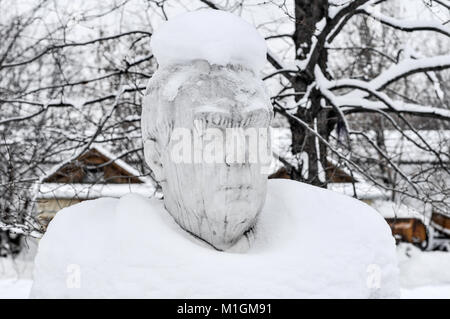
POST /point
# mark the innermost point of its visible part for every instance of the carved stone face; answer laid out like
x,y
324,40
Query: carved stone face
x,y
191,118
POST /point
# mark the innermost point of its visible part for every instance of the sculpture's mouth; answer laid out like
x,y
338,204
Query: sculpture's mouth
x,y
237,193
242,187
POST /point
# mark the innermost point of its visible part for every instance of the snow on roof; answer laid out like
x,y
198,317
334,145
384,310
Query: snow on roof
x,y
109,155
389,209
92,191
216,36
121,163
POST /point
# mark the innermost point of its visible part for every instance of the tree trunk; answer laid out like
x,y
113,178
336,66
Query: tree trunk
x,y
307,15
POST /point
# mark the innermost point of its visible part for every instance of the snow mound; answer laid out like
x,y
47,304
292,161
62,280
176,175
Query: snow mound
x,y
422,268
11,288
309,243
216,36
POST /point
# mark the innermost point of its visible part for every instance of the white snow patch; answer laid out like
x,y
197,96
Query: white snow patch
x,y
418,268
309,242
16,273
426,292
11,288
21,266
92,191
216,36
439,287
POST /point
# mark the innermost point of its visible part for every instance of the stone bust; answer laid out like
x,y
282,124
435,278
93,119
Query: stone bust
x,y
218,201
208,85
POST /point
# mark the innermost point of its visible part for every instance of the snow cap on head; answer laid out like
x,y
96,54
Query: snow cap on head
x,y
216,36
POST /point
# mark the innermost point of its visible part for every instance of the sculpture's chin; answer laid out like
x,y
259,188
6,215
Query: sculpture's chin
x,y
222,220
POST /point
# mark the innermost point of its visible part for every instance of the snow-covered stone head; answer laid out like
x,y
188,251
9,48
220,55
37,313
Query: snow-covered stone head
x,y
205,121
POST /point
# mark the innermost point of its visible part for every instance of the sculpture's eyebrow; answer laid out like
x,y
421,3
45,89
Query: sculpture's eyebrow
x,y
254,107
210,109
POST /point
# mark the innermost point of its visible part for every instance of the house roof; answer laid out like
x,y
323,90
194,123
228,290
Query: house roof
x,y
120,163
95,173
96,158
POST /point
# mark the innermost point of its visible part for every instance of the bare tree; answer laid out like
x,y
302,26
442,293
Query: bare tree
x,y
327,104
67,80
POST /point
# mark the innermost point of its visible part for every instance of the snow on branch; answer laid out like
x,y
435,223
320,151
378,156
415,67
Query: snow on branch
x,y
407,25
55,47
356,105
343,157
357,99
444,3
354,100
326,30
49,104
410,66
404,68
21,229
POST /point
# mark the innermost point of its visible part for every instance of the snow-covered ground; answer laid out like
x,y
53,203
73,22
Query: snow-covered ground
x,y
422,275
15,278
12,288
427,292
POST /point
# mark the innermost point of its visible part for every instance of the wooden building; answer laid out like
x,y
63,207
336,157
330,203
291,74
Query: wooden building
x,y
410,230
440,231
95,173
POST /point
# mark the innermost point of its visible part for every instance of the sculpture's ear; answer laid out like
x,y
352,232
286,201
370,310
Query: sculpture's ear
x,y
153,158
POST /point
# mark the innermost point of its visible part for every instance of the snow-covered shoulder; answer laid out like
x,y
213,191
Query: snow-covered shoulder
x,y
337,238
309,242
216,36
